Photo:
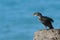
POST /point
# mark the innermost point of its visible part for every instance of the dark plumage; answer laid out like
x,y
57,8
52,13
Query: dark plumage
x,y
47,21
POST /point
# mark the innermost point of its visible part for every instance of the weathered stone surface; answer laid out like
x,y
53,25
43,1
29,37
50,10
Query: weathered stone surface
x,y
52,34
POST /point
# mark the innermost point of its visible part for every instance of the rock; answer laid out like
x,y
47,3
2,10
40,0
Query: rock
x,y
52,34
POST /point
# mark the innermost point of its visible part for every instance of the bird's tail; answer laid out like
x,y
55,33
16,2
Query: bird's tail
x,y
51,27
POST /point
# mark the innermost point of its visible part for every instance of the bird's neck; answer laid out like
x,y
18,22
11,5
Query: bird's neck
x,y
39,17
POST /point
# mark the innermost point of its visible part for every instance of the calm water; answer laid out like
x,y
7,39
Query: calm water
x,y
17,21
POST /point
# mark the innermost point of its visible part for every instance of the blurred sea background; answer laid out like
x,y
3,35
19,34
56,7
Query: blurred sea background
x,y
17,21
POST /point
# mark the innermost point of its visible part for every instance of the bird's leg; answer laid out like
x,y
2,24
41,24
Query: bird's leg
x,y
45,27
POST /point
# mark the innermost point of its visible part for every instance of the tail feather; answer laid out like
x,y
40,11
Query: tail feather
x,y
51,27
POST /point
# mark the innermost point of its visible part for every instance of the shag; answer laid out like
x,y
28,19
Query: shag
x,y
47,21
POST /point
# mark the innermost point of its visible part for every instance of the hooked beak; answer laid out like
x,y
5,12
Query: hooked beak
x,y
34,15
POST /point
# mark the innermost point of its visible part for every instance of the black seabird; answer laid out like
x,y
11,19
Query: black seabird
x,y
47,21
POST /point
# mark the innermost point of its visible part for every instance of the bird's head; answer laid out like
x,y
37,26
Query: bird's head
x,y
37,14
